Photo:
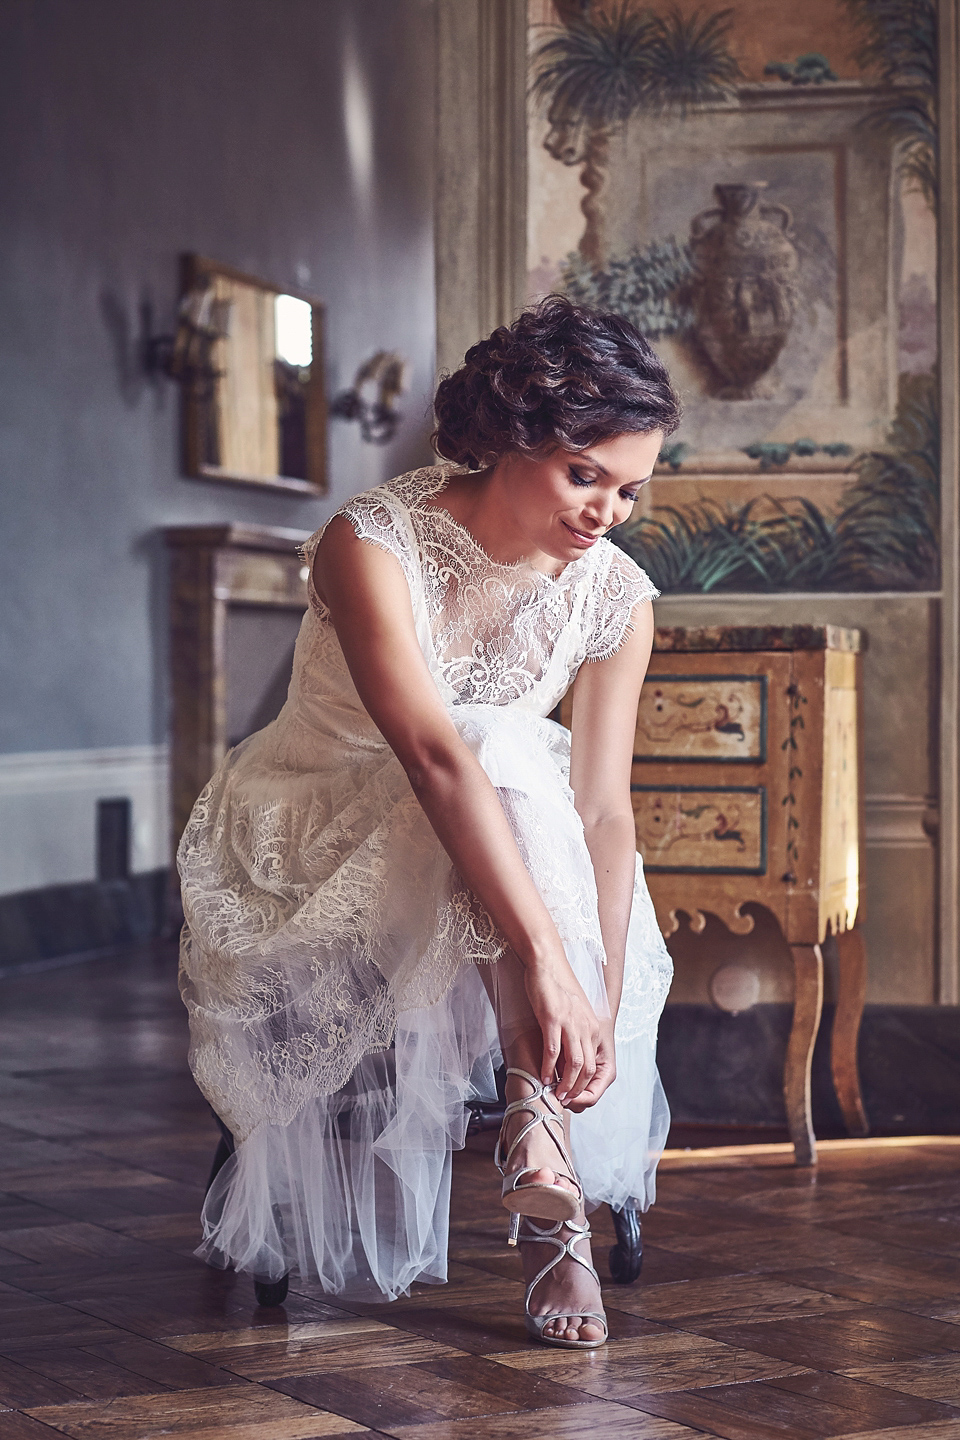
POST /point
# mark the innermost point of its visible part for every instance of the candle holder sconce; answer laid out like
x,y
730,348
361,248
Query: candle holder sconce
x,y
372,398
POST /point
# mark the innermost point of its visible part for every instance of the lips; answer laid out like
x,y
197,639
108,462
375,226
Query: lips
x,y
579,536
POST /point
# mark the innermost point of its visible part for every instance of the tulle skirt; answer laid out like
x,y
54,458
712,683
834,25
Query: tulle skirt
x,y
341,1044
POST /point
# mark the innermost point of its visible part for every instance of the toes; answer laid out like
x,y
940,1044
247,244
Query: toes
x,y
573,1327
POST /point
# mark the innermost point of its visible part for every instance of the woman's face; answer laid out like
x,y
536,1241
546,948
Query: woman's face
x,y
564,502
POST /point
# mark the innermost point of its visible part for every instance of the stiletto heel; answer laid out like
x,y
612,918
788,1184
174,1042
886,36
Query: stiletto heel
x,y
514,1233
536,1323
548,1202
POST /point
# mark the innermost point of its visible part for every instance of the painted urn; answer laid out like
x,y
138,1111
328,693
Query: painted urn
x,y
744,286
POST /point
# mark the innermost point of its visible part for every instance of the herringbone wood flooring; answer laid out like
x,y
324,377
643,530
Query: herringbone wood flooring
x,y
774,1302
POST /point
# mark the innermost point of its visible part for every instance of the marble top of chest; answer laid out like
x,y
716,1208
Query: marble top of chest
x,y
758,637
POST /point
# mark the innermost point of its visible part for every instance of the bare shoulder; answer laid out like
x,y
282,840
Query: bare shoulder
x,y
345,561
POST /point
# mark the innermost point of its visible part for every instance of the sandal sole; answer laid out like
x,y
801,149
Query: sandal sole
x,y
543,1202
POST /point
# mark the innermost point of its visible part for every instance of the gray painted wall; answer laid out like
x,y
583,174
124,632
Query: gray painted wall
x,y
292,138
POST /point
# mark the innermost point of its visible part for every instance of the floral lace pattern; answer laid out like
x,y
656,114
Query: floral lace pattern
x,y
501,634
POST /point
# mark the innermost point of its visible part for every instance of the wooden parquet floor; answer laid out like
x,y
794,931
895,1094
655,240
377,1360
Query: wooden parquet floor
x,y
774,1302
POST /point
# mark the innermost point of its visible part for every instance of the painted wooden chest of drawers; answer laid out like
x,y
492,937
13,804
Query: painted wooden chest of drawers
x,y
746,788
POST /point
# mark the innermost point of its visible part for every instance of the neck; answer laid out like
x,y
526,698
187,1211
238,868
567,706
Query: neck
x,y
483,505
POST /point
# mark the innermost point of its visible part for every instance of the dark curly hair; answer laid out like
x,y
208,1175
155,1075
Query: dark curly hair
x,y
560,375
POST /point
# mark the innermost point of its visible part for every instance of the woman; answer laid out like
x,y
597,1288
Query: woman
x,y
412,873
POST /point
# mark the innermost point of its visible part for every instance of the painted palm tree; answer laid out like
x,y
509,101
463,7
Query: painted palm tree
x,y
600,69
899,39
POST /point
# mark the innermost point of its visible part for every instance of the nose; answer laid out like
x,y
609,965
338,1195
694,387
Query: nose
x,y
601,511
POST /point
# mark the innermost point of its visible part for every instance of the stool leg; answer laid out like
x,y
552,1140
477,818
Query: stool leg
x,y
626,1257
807,1005
851,994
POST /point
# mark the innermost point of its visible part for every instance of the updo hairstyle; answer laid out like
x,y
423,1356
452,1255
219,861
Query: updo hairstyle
x,y
560,375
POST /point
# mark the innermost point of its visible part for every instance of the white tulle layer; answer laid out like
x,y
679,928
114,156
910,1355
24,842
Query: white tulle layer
x,y
354,1186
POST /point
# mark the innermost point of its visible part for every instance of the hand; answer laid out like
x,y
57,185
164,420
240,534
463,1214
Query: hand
x,y
569,1026
606,1071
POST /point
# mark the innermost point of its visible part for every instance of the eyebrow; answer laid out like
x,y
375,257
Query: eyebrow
x,y
585,455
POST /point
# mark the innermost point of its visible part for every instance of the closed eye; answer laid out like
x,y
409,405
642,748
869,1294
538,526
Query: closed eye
x,y
581,481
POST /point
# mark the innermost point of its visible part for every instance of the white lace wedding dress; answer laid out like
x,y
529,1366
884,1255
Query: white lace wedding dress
x,y
338,1020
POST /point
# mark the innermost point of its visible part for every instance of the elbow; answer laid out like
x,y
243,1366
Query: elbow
x,y
432,768
610,820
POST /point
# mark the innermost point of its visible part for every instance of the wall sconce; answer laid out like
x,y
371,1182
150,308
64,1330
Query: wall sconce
x,y
372,399
187,356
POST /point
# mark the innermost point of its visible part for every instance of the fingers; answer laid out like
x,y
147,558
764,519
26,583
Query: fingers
x,y
592,1092
604,1077
551,1053
571,1068
580,1066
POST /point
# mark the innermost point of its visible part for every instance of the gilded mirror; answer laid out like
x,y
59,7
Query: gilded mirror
x,y
250,357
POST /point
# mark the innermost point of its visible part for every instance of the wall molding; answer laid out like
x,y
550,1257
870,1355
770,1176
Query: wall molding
x,y
900,822
481,196
31,771
48,801
949,260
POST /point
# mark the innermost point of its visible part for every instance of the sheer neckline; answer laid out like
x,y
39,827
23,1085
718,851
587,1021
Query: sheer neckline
x,y
442,478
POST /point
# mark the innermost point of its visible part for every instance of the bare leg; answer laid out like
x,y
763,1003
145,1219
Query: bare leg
x,y
569,1284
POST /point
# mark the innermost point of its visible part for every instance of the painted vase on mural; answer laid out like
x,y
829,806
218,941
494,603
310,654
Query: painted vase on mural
x,y
743,290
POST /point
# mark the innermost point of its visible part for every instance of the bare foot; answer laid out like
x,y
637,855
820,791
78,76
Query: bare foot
x,y
539,1149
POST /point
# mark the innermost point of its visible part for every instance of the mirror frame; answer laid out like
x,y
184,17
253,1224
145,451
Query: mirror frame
x,y
192,270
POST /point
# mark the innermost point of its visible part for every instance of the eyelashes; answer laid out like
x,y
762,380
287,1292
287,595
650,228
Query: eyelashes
x,y
583,482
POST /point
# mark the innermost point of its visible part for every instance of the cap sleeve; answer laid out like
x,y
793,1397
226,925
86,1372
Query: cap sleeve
x,y
377,517
619,589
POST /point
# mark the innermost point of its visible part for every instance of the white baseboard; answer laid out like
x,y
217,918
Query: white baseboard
x,y
48,805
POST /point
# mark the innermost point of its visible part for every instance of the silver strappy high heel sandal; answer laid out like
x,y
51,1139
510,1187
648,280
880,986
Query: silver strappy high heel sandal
x,y
551,1236
547,1202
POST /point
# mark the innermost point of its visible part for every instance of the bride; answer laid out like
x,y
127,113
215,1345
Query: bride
x,y
412,875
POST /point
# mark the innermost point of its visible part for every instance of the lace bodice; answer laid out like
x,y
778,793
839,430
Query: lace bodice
x,y
492,633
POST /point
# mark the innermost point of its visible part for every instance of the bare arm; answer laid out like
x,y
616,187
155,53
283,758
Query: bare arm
x,y
369,601
605,698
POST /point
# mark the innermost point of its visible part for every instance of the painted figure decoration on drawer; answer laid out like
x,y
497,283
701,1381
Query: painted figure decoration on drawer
x,y
702,717
704,830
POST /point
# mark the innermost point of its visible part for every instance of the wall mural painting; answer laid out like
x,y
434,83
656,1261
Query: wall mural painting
x,y
755,187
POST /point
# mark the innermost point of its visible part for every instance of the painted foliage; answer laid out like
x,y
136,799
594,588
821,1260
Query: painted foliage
x,y
755,187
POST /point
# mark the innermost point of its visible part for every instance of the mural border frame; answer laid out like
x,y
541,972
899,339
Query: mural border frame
x,y
480,205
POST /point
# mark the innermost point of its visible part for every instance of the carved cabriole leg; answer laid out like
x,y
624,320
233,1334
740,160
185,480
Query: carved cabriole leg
x,y
807,1004
851,993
